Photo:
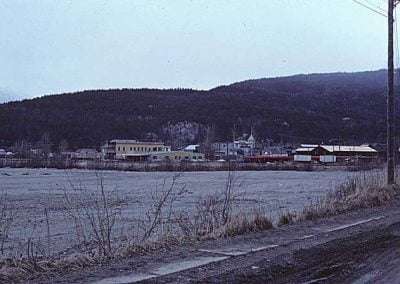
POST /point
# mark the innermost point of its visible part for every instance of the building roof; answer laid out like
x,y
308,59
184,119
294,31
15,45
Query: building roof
x,y
380,147
274,150
337,148
122,141
85,150
308,149
251,138
309,146
156,152
191,147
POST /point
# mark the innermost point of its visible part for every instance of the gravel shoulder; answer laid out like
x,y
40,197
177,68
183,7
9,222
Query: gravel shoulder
x,y
360,246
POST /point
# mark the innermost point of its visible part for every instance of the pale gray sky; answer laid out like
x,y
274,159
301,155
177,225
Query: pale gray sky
x,y
54,46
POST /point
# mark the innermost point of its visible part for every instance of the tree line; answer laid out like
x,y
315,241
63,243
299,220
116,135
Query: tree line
x,y
322,106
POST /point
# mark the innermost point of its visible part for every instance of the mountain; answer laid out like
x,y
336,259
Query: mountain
x,y
302,108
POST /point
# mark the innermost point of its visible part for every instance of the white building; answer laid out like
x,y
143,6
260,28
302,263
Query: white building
x,y
240,147
3,153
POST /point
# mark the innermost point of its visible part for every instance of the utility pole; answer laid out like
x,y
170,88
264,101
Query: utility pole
x,y
281,135
390,96
234,133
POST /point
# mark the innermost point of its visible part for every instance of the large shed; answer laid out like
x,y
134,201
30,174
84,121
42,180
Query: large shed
x,y
339,150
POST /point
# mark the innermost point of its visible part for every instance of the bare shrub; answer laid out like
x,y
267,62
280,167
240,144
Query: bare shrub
x,y
93,214
216,215
229,196
160,218
7,214
213,211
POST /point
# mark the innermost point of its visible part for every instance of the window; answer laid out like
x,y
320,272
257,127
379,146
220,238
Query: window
x,y
131,148
186,157
176,157
141,148
119,148
159,149
134,148
123,148
154,157
194,157
154,148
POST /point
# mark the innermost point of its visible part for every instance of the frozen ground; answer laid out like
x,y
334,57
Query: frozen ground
x,y
31,191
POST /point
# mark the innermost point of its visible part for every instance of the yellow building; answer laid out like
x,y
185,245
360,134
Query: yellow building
x,y
176,156
145,151
124,149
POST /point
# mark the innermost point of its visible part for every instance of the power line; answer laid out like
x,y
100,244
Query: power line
x,y
370,8
376,6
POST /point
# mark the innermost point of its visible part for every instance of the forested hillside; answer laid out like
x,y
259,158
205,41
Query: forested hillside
x,y
304,108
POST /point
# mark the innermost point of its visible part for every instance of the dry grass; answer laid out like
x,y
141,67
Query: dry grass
x,y
363,191
287,218
244,225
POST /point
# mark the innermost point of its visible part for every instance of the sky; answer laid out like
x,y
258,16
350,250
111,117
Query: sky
x,y
57,46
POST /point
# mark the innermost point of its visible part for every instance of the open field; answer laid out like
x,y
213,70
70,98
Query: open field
x,y
32,192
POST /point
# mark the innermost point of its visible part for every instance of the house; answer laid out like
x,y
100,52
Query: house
x,y
86,154
240,147
223,148
82,154
3,153
67,154
276,151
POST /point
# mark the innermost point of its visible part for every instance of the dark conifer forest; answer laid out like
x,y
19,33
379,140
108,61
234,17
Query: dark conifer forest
x,y
302,108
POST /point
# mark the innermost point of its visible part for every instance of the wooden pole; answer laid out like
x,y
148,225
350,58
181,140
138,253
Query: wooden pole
x,y
390,100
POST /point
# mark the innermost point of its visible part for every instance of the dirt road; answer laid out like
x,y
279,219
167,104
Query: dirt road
x,y
359,247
